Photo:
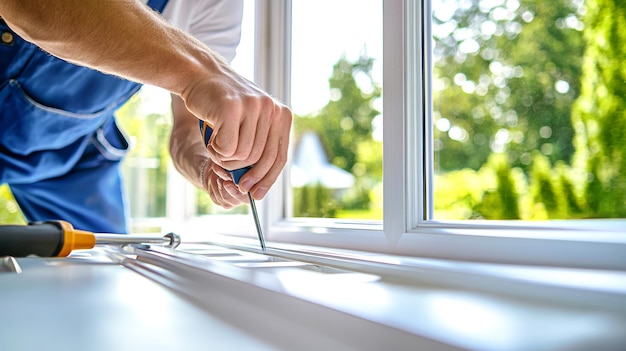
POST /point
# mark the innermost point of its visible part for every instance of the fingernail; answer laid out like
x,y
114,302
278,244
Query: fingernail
x,y
260,193
246,185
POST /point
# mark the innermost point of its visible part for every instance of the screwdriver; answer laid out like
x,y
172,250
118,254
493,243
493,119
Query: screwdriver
x,y
207,131
58,239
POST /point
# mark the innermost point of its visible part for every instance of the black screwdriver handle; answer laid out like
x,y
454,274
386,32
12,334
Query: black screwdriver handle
x,y
44,239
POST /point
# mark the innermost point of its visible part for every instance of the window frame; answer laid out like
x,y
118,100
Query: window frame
x,y
407,227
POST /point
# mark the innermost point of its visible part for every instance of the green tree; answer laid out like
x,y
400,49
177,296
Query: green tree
x,y
503,201
599,115
546,187
506,74
594,184
314,201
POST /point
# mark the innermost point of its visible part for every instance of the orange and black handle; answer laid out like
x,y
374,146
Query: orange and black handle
x,y
44,239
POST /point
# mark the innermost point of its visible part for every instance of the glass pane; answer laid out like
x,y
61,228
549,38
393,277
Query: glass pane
x,y
336,81
147,121
529,110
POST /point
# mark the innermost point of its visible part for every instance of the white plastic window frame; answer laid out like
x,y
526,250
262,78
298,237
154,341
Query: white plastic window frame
x,y
407,227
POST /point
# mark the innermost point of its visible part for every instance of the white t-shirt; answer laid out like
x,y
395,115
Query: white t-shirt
x,y
216,23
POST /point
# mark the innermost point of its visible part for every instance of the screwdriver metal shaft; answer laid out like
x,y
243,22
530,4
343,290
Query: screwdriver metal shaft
x,y
171,240
207,131
257,222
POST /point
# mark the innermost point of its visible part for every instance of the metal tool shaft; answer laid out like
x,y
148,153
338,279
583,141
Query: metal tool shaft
x,y
169,240
257,222
207,131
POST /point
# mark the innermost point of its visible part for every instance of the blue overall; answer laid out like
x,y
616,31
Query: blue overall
x,y
60,149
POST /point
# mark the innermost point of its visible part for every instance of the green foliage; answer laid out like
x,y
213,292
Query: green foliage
x,y
571,194
368,173
548,187
459,192
9,210
501,202
501,95
600,114
314,201
585,178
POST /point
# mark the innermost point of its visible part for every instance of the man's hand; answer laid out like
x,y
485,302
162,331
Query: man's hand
x,y
249,127
219,184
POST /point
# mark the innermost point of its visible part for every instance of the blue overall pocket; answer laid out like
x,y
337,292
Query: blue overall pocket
x,y
27,126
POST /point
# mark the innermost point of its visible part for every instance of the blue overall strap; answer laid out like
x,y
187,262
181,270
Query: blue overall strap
x,y
157,5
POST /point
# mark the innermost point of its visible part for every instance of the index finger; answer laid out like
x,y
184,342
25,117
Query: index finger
x,y
225,137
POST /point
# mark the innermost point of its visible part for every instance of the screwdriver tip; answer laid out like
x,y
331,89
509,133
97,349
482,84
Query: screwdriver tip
x,y
257,222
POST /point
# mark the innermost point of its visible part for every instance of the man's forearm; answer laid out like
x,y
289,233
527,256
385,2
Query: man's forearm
x,y
122,37
188,153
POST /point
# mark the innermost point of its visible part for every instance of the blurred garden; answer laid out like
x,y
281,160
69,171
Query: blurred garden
x,y
530,109
529,114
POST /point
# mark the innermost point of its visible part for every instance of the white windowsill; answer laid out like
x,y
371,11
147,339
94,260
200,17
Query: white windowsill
x,y
457,304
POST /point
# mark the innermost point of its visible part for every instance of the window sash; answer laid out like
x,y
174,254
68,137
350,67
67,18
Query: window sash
x,y
407,227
